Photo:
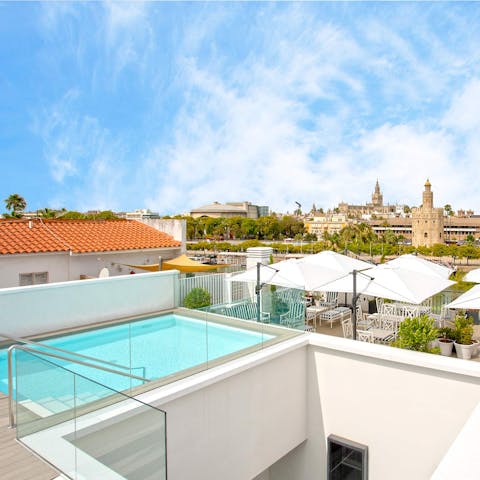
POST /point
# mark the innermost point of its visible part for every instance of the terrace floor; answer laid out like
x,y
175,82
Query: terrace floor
x,y
16,462
337,331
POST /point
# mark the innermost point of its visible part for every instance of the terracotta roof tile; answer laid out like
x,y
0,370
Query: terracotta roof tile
x,y
79,236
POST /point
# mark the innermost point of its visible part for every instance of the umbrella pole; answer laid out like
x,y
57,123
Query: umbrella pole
x,y
354,305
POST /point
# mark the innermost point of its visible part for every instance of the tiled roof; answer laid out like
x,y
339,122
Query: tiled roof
x,y
79,236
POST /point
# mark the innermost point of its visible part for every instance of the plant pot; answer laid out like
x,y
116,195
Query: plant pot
x,y
476,348
464,351
446,346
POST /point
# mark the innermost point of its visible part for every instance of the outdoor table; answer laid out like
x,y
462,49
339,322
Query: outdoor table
x,y
316,311
335,314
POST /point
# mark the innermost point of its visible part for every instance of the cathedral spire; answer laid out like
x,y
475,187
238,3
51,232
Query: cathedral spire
x,y
377,197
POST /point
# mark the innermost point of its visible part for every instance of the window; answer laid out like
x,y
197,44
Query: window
x,y
33,278
346,459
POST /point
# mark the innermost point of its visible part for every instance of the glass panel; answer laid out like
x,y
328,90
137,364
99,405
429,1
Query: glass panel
x,y
45,408
85,429
116,433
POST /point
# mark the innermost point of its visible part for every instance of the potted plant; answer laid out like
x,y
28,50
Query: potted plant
x,y
445,340
464,345
418,334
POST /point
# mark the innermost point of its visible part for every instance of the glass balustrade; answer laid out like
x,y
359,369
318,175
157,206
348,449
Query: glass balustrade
x,y
85,429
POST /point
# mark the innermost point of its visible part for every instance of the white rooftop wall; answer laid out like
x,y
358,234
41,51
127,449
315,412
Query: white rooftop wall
x,y
55,306
407,407
234,421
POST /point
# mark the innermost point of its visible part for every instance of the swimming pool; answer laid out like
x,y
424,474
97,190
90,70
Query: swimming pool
x,y
154,348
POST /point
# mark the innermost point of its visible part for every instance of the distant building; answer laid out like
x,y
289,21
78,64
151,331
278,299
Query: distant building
x,y
328,223
369,210
230,209
427,221
140,214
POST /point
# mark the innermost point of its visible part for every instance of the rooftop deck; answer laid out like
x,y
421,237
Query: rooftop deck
x,y
16,462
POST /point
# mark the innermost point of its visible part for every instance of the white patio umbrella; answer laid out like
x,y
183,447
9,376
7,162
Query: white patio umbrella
x,y
394,283
327,266
473,276
470,300
308,273
418,264
284,274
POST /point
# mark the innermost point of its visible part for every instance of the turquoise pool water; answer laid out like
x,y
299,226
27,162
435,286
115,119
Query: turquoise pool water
x,y
154,347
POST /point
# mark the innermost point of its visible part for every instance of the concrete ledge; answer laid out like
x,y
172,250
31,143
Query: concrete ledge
x,y
397,355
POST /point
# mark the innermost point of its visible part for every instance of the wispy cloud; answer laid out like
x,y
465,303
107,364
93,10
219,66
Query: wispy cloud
x,y
272,103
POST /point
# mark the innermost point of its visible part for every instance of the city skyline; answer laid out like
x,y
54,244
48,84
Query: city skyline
x,y
169,106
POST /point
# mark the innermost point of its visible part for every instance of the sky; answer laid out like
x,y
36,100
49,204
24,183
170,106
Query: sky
x,y
171,106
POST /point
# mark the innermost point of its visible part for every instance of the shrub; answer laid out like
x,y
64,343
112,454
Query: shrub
x,y
447,332
197,298
417,333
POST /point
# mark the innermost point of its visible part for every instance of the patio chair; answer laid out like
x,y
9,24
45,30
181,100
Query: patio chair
x,y
389,309
390,323
362,320
347,328
408,311
365,336
379,303
295,317
330,300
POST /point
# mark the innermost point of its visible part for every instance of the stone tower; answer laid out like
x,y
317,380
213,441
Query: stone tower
x,y
427,222
377,197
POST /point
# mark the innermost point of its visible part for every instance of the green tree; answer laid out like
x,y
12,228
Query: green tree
x,y
47,213
291,227
16,204
248,228
268,227
448,210
73,215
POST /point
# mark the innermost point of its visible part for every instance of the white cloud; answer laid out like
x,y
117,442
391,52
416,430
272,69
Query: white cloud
x,y
81,155
463,114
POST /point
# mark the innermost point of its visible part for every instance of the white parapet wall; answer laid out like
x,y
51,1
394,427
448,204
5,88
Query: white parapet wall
x,y
233,421
49,307
406,407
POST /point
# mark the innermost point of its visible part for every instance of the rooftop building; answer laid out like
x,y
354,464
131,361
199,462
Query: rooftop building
x,y
230,209
42,251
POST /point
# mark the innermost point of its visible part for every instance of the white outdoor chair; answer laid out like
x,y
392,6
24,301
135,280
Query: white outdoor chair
x,y
347,328
388,309
390,323
362,320
379,302
330,300
410,311
365,336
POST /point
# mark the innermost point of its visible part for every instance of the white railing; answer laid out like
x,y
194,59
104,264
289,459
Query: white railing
x,y
215,284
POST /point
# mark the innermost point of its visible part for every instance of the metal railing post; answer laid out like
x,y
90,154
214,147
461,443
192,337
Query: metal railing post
x,y
11,419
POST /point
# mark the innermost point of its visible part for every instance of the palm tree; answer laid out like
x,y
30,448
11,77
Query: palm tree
x,y
16,204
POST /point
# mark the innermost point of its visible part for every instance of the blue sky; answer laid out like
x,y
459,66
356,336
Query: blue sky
x,y
170,106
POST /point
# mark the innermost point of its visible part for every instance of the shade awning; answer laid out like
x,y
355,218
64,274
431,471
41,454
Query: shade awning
x,y
181,263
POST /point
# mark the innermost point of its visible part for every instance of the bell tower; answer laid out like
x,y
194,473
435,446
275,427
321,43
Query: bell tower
x,y
377,197
427,222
